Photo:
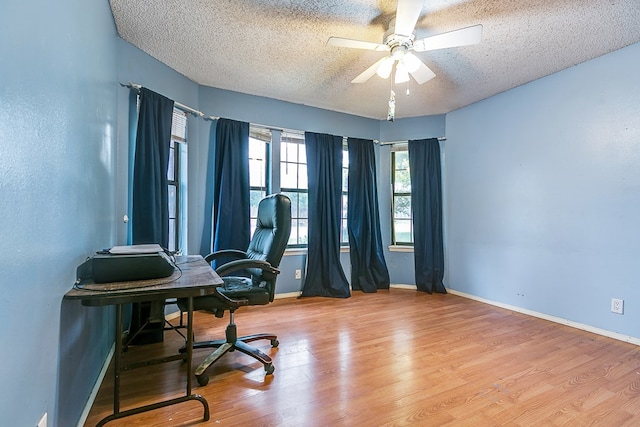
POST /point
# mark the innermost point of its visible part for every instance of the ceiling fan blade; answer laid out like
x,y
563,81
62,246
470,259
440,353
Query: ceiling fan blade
x,y
407,16
369,72
423,73
455,38
356,44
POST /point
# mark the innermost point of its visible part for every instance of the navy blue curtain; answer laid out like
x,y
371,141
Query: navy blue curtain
x,y
368,268
426,208
206,243
150,210
231,191
150,196
325,276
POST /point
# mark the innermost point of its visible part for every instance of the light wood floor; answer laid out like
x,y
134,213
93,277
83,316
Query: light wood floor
x,y
394,358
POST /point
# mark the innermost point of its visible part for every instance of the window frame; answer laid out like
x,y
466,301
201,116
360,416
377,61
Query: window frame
x,y
401,147
264,135
178,137
344,199
296,218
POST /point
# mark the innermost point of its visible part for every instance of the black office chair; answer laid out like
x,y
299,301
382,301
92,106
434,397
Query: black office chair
x,y
261,261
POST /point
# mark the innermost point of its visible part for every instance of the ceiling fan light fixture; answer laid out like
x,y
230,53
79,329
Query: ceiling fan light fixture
x,y
384,70
402,75
411,62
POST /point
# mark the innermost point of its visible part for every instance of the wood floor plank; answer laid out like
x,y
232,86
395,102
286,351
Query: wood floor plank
x,y
393,358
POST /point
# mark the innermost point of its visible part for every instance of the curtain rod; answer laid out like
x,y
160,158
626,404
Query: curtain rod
x,y
181,106
199,113
440,138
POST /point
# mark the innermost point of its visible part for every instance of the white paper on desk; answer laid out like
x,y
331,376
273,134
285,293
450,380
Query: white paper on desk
x,y
136,249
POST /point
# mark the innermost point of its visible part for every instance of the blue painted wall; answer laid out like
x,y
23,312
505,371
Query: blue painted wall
x,y
543,194
57,157
412,128
541,187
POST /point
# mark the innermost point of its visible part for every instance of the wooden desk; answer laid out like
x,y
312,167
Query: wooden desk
x,y
194,277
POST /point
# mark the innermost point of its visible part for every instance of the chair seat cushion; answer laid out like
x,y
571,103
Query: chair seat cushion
x,y
235,288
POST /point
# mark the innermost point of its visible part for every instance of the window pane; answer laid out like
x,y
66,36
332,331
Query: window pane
x,y
402,159
172,201
302,158
303,205
302,177
171,170
254,199
293,237
256,149
288,175
345,231
303,231
256,173
402,207
402,182
172,235
257,163
403,232
289,152
345,180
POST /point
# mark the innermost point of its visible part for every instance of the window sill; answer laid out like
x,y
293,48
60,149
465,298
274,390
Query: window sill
x,y
295,251
400,248
303,251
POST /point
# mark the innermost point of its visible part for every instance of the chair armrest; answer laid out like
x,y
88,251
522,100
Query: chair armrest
x,y
230,253
243,264
235,303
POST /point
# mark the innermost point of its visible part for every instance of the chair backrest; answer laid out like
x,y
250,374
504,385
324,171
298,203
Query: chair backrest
x,y
271,235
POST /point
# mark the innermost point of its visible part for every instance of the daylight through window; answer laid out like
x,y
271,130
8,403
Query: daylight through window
x,y
402,224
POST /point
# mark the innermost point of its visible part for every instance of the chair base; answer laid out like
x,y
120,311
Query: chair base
x,y
232,343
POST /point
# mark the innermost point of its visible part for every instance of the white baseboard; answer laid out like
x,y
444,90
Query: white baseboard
x,y
96,387
288,295
560,320
401,286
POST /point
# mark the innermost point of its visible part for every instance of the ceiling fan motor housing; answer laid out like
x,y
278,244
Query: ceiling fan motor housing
x,y
397,42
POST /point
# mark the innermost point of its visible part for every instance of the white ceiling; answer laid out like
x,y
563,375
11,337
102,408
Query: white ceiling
x,y
277,49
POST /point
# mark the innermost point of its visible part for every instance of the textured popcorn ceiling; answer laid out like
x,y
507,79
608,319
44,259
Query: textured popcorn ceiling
x,y
278,49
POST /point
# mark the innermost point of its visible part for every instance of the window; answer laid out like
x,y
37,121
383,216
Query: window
x,y
293,183
344,234
259,139
178,137
402,224
288,159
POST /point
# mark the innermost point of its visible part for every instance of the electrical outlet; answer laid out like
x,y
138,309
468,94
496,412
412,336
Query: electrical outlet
x,y
617,305
298,274
43,421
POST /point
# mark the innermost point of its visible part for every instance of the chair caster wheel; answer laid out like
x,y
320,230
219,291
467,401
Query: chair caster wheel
x,y
203,379
275,343
269,369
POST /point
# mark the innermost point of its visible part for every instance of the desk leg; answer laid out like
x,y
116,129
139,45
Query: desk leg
x,y
117,361
117,366
191,396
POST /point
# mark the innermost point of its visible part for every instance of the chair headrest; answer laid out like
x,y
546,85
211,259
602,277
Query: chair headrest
x,y
274,211
272,231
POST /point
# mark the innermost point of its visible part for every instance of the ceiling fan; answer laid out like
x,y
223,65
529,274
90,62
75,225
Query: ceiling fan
x,y
400,42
